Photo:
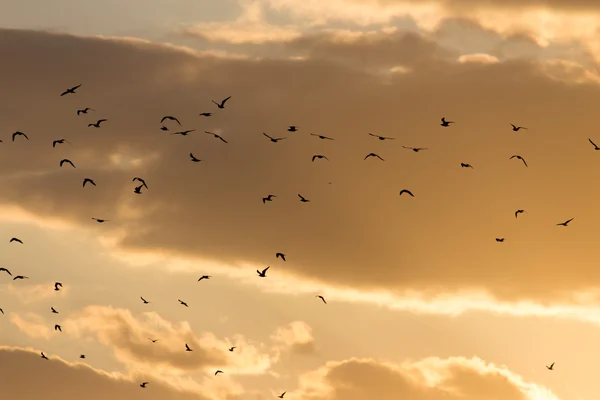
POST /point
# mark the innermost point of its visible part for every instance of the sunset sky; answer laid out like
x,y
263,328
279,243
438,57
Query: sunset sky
x,y
422,302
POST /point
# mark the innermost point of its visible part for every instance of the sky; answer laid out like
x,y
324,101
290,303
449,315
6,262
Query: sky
x,y
422,301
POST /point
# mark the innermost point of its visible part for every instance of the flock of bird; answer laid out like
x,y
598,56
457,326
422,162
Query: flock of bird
x,y
221,105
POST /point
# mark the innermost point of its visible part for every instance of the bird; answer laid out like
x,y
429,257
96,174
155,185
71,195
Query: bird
x,y
282,394
183,303
17,240
446,123
53,310
292,128
269,197
97,124
205,114
84,110
319,156
82,356
218,372
86,180
164,128
138,189
322,137
19,133
594,144
415,149
153,340
280,255
373,155
519,212
99,220
187,348
20,277
64,160
143,384
465,165
216,136
57,327
322,298
221,105
550,367
2,311
302,199
204,277
2,269
57,286
59,141
43,356
381,137
520,158
194,159
232,348
144,300
140,180
499,240
566,223
71,90
263,273
516,128
169,117
408,192
183,133
272,139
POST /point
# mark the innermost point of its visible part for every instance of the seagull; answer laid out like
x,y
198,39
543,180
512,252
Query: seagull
x,y
292,128
516,128
82,356
171,118
57,328
59,141
164,128
187,348
232,348
268,198
551,367
216,136
143,384
84,110
499,240
566,222
446,123
20,277
100,221
205,114
218,372
97,124
274,140
19,133
153,340
281,395
415,149
5,270
322,298
138,189
144,300
280,255
16,240
594,144
382,137
322,137
194,159
519,212
57,285
183,133
43,356
140,180
302,199
86,180
373,155
222,104
465,165
204,277
183,303
407,192
71,90
64,160
53,310
319,156
263,274
520,158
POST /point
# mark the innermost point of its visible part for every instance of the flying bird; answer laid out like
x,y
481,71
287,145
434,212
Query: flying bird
x,y
170,118
57,327
566,223
221,105
204,277
53,310
322,298
381,137
19,133
280,255
446,123
205,114
232,348
97,124
2,311
183,303
216,136
194,159
57,286
64,160
594,144
268,198
43,356
319,156
322,137
520,158
292,128
143,384
550,367
218,372
59,141
415,149
516,128
187,348
71,90
99,220
144,300
153,340
164,128
82,356
2,269
272,139
499,240
302,199
84,110
140,180
408,192
138,189
373,155
263,274
86,180
519,212
20,277
465,165
281,395
15,240
183,133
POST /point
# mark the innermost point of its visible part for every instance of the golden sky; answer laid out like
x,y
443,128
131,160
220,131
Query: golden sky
x,y
422,302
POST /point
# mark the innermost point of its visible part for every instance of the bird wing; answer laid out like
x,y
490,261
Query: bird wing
x,y
524,162
14,135
592,142
313,158
265,270
267,135
373,135
225,100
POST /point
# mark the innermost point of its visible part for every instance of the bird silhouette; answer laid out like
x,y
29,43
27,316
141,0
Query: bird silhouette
x,y
138,189
2,311
153,340
322,298
520,158
16,240
194,159
99,220
2,269
20,277
97,124
415,149
164,128
144,300
183,303
319,156
169,117
381,137
499,240
272,139
88,180
302,199
465,165
322,137
263,273
84,110
57,328
517,128
59,141
232,348
373,155
216,136
43,356
64,160
218,372
269,197
187,348
594,144
408,192
292,128
519,212
446,123
221,105
550,367
281,395
183,133
53,310
204,277
82,356
566,223
140,180
143,384
71,90
19,133
205,114
57,286
280,255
